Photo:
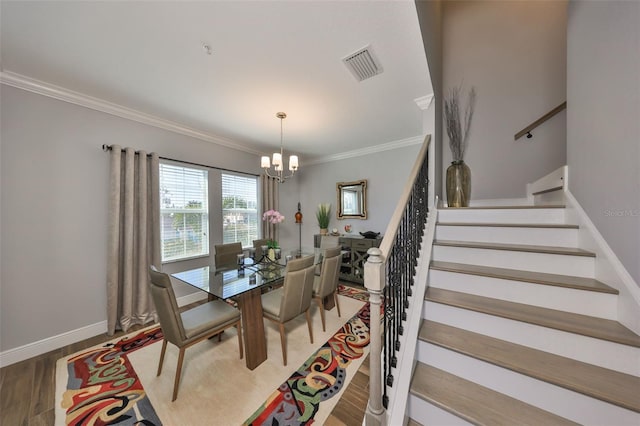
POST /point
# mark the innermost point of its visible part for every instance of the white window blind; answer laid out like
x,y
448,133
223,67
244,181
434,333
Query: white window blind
x,y
184,212
239,209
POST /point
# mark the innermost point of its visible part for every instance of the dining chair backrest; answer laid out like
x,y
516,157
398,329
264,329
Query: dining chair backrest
x,y
330,271
257,244
328,241
167,307
227,254
297,288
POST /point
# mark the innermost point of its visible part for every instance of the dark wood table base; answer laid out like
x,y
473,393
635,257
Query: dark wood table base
x,y
255,343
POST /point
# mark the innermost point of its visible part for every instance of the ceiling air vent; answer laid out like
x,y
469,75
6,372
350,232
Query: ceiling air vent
x,y
363,64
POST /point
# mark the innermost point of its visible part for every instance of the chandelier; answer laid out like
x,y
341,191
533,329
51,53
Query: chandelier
x,y
277,159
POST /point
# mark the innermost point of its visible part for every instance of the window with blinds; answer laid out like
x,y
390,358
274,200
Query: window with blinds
x,y
239,209
184,212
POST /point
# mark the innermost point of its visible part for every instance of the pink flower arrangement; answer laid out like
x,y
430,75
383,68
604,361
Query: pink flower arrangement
x,y
272,216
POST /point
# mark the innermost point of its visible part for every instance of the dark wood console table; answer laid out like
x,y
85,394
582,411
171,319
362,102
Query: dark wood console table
x,y
352,266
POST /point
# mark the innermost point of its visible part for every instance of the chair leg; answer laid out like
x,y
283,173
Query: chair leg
x,y
239,328
283,342
178,371
320,302
164,348
335,298
308,314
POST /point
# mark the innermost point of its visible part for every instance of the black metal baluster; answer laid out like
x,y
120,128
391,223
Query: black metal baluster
x,y
400,270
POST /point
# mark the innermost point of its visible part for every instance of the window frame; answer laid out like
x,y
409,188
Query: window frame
x,y
256,209
205,210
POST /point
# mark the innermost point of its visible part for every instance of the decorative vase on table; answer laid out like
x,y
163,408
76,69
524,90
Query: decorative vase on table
x,y
458,184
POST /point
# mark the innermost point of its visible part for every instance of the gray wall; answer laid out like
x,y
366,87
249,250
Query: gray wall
x,y
53,215
54,209
386,173
603,121
430,18
514,53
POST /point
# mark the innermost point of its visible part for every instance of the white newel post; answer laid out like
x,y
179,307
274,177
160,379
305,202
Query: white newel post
x,y
374,282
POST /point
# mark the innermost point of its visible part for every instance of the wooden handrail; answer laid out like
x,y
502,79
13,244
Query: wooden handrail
x,y
394,222
540,120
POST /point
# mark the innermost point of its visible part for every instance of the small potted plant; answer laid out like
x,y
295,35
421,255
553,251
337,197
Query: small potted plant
x,y
273,217
323,214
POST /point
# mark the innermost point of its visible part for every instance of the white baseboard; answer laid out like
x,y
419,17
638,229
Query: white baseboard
x,y
48,344
40,347
608,268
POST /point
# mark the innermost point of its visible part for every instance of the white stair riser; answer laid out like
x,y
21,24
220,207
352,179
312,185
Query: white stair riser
x,y
602,305
560,237
555,198
582,348
580,266
426,413
563,402
555,215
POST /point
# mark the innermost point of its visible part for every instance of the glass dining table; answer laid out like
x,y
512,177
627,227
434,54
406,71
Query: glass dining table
x,y
244,284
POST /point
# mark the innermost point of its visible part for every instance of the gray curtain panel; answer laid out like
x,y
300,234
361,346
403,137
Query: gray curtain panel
x,y
134,237
270,196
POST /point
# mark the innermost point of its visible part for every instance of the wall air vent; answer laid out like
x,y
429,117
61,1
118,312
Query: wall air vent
x,y
363,64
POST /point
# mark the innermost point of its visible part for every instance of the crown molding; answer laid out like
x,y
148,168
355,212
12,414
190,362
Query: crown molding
x,y
424,102
60,93
416,140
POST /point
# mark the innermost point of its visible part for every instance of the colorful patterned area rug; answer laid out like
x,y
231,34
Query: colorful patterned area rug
x,y
321,377
104,385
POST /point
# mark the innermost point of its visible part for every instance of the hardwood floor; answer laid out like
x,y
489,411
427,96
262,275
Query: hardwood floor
x,y
351,407
27,388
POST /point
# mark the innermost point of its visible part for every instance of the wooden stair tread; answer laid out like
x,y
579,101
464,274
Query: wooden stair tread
x,y
568,281
475,403
516,247
597,382
584,325
545,191
541,206
511,225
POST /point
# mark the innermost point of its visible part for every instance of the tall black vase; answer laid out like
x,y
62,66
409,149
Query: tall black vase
x,y
458,184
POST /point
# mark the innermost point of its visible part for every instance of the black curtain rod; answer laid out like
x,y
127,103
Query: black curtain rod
x,y
108,148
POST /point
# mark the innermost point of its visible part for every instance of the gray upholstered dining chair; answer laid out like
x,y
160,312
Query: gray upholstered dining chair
x,y
191,326
292,299
257,244
226,255
326,242
329,241
326,284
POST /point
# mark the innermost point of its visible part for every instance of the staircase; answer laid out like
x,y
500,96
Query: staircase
x,y
515,329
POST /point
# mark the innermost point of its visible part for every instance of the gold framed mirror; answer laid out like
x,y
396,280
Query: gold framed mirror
x,y
352,199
